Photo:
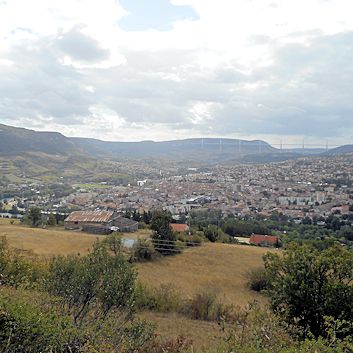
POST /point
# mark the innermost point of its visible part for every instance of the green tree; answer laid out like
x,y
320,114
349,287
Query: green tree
x,y
52,220
212,233
99,281
163,236
35,216
308,285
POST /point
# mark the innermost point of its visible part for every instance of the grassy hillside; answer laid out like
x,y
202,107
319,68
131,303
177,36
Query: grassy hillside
x,y
47,242
52,241
219,266
213,266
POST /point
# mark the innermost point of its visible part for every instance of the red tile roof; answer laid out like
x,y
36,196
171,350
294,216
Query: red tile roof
x,y
259,239
180,228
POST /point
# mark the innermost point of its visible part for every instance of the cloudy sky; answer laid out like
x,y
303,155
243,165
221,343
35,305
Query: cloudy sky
x,y
168,69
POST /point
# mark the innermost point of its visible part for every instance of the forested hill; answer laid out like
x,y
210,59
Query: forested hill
x,y
15,140
188,148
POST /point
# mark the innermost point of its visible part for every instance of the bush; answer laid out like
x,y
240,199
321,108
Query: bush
x,y
98,281
143,250
257,279
195,240
26,329
257,330
307,285
16,271
201,305
162,299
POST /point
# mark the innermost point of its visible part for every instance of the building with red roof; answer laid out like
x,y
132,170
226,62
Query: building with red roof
x,y
265,240
179,228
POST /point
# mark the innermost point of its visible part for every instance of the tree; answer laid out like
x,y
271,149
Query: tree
x,y
52,220
93,284
35,216
213,233
308,285
163,236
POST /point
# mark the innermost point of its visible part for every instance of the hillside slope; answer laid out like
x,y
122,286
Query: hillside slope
x,y
16,140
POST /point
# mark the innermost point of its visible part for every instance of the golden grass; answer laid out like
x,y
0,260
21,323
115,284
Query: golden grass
x,y
205,336
54,240
47,242
217,266
9,220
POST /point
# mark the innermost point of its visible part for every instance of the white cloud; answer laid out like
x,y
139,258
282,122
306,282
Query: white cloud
x,y
245,67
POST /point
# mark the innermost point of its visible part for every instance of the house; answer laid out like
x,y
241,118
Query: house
x,y
265,240
100,222
179,228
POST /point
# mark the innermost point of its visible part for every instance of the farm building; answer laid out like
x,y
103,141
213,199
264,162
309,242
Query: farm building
x,y
265,240
100,222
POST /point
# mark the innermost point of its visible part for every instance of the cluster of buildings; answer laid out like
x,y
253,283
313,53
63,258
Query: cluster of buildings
x,y
306,187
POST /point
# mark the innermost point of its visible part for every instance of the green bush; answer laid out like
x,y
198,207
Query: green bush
x,y
143,250
307,285
27,329
99,281
257,279
16,271
195,240
202,305
164,298
258,330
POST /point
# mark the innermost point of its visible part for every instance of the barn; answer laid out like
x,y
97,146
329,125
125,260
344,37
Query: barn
x,y
100,222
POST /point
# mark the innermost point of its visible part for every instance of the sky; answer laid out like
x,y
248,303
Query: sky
x,y
131,70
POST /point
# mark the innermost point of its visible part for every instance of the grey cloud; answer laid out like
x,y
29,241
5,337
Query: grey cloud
x,y
81,47
306,91
36,85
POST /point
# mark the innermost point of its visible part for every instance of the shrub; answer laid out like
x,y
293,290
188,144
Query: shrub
x,y
165,298
16,271
195,240
98,281
27,329
257,279
257,330
201,305
143,250
307,285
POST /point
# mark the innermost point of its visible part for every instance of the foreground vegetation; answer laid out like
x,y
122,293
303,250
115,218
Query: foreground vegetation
x,y
95,303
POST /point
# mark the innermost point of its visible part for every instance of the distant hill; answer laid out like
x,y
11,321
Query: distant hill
x,y
340,150
28,154
15,140
178,149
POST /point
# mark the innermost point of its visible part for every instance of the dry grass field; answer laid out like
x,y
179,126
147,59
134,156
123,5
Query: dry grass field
x,y
216,266
47,242
205,336
52,241
219,267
